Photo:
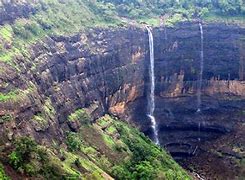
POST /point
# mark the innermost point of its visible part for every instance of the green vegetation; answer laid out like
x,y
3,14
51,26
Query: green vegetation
x,y
148,160
73,142
105,148
41,120
144,159
21,156
192,8
79,115
8,96
30,158
3,175
5,118
171,12
53,17
16,95
71,16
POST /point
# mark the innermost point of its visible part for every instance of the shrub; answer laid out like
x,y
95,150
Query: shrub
x,y
20,31
33,28
21,156
15,159
30,169
121,173
24,146
80,115
73,142
144,170
3,176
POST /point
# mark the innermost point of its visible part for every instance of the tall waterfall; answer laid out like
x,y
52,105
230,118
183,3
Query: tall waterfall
x,y
151,94
199,94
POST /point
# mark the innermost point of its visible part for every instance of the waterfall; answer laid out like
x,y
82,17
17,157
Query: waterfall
x,y
199,94
151,94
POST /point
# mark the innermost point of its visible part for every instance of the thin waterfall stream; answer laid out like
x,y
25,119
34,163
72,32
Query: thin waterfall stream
x,y
199,89
151,94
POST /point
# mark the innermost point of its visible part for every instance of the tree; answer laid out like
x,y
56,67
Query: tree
x,y
144,171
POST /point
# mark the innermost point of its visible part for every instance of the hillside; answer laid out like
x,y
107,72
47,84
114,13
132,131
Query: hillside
x,y
106,149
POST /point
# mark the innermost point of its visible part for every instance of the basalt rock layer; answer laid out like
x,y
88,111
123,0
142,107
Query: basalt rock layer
x,y
100,70
182,129
106,71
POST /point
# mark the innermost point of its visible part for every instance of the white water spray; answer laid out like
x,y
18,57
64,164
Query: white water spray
x,y
151,95
199,94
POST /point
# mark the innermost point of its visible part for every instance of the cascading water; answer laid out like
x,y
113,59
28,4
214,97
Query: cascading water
x,y
151,94
199,94
199,90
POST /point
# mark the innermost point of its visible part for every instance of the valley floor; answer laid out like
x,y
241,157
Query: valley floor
x,y
223,158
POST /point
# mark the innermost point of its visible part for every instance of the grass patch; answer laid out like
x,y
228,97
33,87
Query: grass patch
x,y
111,129
152,21
6,33
212,17
108,141
5,118
9,96
79,115
3,175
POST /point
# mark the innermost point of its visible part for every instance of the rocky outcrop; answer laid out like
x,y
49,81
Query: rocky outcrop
x,y
11,10
101,70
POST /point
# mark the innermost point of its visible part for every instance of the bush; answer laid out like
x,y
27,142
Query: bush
x,y
80,115
21,32
73,142
30,169
24,146
33,28
20,158
15,159
121,173
3,176
144,170
148,161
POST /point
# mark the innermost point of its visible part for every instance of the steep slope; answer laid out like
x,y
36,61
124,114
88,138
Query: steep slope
x,y
106,149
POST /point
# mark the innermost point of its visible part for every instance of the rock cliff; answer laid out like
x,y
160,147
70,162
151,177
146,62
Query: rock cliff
x,y
105,71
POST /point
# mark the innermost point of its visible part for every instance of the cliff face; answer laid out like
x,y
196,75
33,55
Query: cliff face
x,y
101,70
182,129
177,67
97,69
106,71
